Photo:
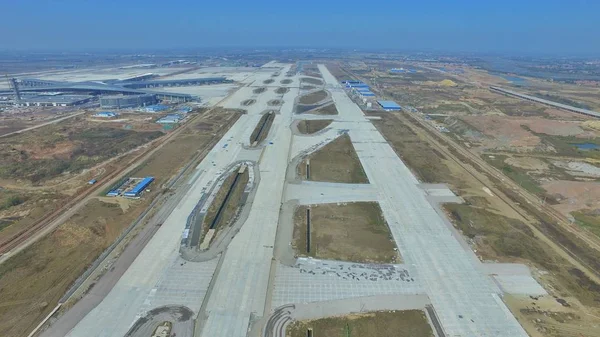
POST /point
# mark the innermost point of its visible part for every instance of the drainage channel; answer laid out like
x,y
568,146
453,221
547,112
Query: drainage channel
x,y
308,230
435,321
262,128
308,169
227,197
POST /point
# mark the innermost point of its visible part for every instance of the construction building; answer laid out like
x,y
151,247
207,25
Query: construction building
x,y
53,100
131,86
106,114
170,119
156,108
127,101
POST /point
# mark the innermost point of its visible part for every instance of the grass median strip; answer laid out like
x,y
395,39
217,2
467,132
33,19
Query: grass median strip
x,y
408,323
336,162
354,232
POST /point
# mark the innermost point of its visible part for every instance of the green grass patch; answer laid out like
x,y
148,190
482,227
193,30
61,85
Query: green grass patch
x,y
506,236
445,108
12,200
511,238
588,219
517,174
417,153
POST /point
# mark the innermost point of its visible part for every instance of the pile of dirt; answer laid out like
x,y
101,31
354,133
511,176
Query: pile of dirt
x,y
504,132
592,125
447,83
574,195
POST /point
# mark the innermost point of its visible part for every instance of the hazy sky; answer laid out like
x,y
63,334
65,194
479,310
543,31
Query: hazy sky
x,y
541,26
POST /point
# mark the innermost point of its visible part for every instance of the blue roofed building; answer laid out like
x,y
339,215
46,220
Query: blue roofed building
x,y
139,187
389,105
112,193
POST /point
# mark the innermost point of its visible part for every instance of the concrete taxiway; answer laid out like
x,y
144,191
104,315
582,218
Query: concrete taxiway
x,y
235,293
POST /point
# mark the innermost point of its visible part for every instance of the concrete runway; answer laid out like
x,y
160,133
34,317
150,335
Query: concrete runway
x,y
232,295
465,298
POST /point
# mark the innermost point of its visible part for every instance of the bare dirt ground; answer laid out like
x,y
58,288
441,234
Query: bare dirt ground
x,y
19,118
557,128
504,133
312,126
69,146
409,323
32,281
353,232
544,316
516,134
313,97
56,161
574,195
336,162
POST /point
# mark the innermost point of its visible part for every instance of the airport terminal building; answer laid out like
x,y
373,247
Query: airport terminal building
x,y
127,101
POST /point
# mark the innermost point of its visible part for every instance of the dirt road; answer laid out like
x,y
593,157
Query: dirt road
x,y
43,124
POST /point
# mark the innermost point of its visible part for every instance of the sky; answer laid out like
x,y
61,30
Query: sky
x,y
481,26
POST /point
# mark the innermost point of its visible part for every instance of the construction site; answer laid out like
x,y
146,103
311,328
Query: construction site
x,y
281,204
